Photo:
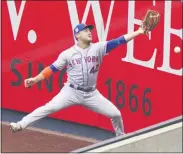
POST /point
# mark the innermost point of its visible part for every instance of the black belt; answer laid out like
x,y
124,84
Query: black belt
x,y
88,89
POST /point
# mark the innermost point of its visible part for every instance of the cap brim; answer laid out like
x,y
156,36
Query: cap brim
x,y
90,27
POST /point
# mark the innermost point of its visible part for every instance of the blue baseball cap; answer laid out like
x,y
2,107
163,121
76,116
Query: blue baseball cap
x,y
81,27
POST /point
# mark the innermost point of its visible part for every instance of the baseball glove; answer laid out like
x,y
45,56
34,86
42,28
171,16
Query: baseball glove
x,y
150,21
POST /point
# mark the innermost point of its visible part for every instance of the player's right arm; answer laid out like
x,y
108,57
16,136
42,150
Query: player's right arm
x,y
48,71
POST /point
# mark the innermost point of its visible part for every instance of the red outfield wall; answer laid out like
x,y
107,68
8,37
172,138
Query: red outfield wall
x,y
143,78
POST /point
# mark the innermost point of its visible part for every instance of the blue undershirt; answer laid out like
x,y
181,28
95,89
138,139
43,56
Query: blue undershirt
x,y
115,43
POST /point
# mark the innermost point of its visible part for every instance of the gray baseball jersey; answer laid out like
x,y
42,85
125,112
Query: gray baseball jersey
x,y
82,64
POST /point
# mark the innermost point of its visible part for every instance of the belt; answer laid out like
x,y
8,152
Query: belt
x,y
88,89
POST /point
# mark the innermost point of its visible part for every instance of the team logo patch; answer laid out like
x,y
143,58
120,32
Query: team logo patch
x,y
76,30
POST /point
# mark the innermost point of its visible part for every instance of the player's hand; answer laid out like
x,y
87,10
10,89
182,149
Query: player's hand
x,y
141,30
29,82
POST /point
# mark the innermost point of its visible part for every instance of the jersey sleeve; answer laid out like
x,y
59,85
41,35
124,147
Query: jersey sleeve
x,y
60,63
102,46
106,46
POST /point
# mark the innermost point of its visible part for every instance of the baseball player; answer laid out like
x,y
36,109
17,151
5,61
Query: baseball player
x,y
83,61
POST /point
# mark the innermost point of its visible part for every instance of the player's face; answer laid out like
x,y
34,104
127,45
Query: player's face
x,y
85,35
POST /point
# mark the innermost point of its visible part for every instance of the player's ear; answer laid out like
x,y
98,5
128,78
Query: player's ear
x,y
77,36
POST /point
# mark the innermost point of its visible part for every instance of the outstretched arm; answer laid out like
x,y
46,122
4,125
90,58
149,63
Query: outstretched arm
x,y
44,74
123,39
130,36
47,72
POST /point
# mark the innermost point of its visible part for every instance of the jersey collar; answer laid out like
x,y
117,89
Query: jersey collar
x,y
81,49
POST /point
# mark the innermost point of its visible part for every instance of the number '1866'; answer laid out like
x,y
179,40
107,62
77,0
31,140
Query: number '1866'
x,y
133,98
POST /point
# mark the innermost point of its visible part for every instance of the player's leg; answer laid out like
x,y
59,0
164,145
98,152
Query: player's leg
x,y
98,103
65,98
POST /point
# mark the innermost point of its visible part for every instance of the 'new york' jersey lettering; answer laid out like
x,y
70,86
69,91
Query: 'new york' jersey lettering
x,y
82,64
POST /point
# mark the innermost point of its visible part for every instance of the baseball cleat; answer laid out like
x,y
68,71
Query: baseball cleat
x,y
15,127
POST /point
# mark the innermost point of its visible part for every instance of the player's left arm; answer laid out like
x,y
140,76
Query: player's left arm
x,y
53,68
123,39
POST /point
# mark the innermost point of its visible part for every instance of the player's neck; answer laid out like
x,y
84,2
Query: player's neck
x,y
83,45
